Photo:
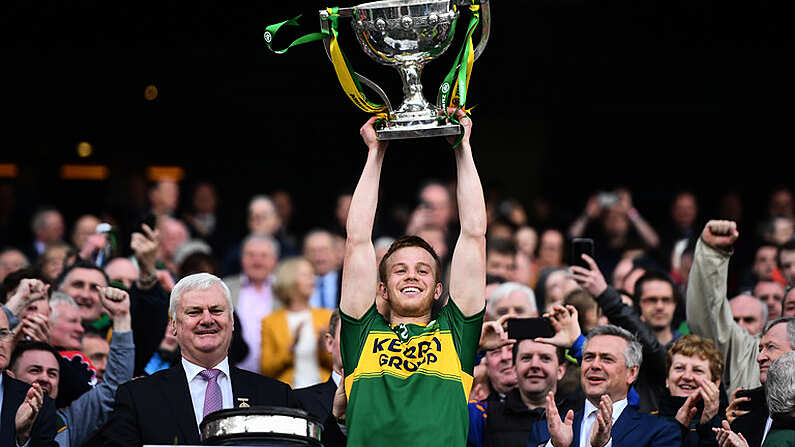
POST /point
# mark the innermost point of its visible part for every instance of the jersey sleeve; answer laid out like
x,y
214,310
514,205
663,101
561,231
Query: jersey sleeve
x,y
353,334
466,333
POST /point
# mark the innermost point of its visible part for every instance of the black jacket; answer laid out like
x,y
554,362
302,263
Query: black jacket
x,y
158,409
752,424
696,435
43,432
317,400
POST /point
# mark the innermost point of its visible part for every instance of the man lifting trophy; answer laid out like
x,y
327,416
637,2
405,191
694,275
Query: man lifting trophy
x,y
405,34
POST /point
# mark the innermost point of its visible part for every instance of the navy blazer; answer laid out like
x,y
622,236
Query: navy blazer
x,y
632,428
158,409
43,432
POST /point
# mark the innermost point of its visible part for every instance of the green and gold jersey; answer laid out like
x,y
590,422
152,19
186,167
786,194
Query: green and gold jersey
x,y
409,385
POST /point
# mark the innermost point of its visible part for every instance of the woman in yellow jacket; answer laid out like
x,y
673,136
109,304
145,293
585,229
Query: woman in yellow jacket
x,y
291,348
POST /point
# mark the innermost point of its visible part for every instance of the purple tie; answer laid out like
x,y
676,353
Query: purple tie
x,y
212,394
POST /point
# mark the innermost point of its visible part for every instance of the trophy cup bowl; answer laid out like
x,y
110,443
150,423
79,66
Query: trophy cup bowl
x,y
406,34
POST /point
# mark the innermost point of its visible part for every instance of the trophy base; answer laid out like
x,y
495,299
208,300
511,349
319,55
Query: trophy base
x,y
434,129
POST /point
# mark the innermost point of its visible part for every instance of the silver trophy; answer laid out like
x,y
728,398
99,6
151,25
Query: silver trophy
x,y
407,34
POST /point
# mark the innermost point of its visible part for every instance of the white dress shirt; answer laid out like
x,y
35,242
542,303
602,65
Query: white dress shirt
x,y
767,428
589,419
307,370
198,386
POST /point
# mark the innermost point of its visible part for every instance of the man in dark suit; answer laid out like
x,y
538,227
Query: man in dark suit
x,y
776,341
610,363
26,414
318,399
167,407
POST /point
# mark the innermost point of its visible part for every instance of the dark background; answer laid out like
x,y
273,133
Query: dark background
x,y
571,96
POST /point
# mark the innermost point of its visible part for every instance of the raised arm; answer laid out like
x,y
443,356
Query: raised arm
x,y
468,267
708,312
359,271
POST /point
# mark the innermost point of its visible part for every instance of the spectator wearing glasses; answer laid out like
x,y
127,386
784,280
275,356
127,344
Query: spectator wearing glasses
x,y
657,303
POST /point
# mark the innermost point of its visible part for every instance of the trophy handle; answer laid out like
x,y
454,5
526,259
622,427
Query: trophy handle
x,y
348,12
485,22
485,28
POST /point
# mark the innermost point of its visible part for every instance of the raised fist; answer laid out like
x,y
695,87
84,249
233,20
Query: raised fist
x,y
720,234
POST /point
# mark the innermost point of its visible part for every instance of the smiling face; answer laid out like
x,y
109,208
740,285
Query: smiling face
x,y
35,366
604,368
65,329
203,326
411,285
686,374
773,345
537,368
83,285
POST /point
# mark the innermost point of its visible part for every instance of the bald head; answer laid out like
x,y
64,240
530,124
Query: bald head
x,y
122,270
749,312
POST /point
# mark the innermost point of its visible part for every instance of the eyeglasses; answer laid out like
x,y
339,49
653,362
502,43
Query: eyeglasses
x,y
5,334
655,300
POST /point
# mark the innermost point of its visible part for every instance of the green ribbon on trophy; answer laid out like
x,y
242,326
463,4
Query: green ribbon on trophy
x,y
271,30
379,27
453,91
346,76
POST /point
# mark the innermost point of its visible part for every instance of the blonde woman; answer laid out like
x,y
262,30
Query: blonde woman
x,y
290,336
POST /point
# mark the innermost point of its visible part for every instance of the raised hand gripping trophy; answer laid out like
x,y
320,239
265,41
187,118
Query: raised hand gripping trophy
x,y
405,34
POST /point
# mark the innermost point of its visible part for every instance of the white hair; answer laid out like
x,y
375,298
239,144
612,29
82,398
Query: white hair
x,y
780,386
60,298
263,238
190,247
504,290
198,281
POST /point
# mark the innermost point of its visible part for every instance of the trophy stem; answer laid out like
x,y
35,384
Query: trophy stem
x,y
414,107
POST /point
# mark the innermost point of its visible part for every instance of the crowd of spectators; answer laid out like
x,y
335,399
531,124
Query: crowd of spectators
x,y
705,344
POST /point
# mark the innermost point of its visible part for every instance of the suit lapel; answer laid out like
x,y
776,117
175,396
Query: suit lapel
x,y
328,389
174,386
243,391
624,425
576,426
11,401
